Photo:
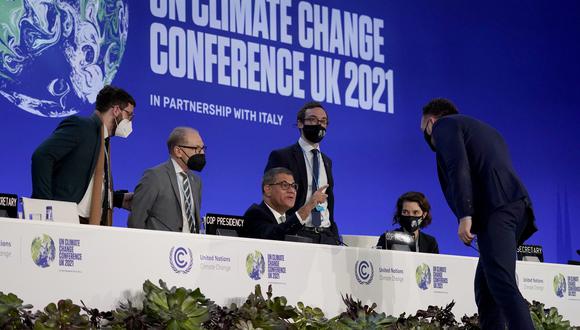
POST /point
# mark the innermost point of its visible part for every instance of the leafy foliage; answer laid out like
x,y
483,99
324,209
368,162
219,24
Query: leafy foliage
x,y
62,315
548,318
359,316
175,308
181,308
13,314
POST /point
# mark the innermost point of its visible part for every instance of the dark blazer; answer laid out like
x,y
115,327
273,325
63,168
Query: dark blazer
x,y
475,170
292,158
427,243
157,202
62,166
259,222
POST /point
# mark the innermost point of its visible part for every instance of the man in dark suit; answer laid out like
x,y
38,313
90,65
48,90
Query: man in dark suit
x,y
489,200
312,169
73,163
168,197
272,219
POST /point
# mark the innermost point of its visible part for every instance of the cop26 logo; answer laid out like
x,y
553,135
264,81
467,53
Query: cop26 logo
x,y
181,259
55,56
560,285
423,276
364,271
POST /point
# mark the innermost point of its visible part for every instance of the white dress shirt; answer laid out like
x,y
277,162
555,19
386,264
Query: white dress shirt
x,y
84,206
322,181
280,218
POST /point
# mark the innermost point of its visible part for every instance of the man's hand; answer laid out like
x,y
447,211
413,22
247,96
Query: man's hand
x,y
318,197
464,230
127,201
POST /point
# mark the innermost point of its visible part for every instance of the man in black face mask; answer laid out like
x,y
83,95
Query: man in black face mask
x,y
168,197
489,200
312,169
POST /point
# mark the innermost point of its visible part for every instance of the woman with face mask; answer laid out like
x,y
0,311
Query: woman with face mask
x,y
413,213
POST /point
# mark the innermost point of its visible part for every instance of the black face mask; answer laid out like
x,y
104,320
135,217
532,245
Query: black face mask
x,y
410,223
428,139
314,133
196,162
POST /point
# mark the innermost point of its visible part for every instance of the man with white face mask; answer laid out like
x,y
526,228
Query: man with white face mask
x,y
73,163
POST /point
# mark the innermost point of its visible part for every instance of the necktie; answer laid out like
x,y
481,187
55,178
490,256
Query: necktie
x,y
187,199
315,174
282,218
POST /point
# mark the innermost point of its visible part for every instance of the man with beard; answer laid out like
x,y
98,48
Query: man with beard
x,y
73,163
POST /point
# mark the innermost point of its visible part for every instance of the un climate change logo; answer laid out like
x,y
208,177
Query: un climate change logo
x,y
42,251
255,265
423,276
180,259
559,285
364,271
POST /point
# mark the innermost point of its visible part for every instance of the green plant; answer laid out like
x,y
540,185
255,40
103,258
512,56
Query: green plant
x,y
13,314
62,315
175,308
96,317
359,316
548,318
126,316
308,318
221,317
470,322
265,313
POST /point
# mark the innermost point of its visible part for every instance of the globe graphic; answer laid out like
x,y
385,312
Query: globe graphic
x,y
423,276
55,55
255,265
43,251
559,285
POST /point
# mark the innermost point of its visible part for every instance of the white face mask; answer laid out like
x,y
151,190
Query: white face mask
x,y
124,128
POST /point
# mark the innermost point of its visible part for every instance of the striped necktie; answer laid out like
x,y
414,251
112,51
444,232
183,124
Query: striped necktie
x,y
188,205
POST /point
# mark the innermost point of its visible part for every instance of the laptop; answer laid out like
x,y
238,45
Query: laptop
x,y
48,210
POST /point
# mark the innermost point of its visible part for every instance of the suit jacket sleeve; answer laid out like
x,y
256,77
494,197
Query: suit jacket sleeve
x,y
452,157
144,197
63,140
258,224
433,247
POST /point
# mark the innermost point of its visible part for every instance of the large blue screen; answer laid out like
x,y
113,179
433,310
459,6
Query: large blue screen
x,y
239,70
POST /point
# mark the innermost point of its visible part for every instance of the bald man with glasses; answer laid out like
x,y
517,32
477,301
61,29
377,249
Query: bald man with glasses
x,y
269,219
168,197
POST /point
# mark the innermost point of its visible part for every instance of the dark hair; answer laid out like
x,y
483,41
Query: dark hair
x,y
439,108
178,137
270,175
110,96
417,197
309,105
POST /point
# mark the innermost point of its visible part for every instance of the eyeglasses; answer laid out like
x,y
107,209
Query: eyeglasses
x,y
196,149
315,121
129,114
285,185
